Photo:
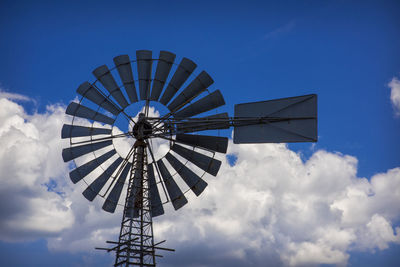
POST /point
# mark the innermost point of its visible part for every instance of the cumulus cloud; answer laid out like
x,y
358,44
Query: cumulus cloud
x,y
29,164
394,86
285,211
270,207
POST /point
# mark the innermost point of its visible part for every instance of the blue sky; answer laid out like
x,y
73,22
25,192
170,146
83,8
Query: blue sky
x,y
347,52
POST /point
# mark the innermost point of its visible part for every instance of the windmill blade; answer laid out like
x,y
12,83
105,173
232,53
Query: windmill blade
x,y
213,122
195,183
182,73
112,200
165,61
77,174
74,109
88,91
207,103
123,64
105,77
77,131
95,187
196,87
214,143
155,200
144,63
175,194
283,120
204,162
71,153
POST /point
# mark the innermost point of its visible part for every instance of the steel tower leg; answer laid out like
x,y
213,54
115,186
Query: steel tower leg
x,y
135,246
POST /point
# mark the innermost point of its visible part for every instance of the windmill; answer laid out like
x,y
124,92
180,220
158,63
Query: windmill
x,y
134,175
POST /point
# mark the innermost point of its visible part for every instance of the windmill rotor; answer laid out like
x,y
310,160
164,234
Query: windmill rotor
x,y
134,175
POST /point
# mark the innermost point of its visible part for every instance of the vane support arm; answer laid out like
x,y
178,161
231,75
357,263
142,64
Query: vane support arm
x,y
177,126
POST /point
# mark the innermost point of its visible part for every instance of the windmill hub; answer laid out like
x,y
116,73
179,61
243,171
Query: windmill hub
x,y
142,129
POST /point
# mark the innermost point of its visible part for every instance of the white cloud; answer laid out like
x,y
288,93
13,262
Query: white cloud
x,y
30,159
394,86
270,207
307,213
14,96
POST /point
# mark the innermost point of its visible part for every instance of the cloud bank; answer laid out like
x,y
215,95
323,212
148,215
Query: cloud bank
x,y
29,165
270,207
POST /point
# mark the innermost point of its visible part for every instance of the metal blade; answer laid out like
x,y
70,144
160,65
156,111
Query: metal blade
x,y
104,75
76,131
95,187
112,200
165,61
182,73
80,111
214,143
177,197
88,91
195,183
207,103
71,153
196,87
123,64
144,63
204,162
213,122
283,120
80,172
155,200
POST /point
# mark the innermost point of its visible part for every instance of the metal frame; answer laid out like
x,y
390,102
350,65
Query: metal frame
x,y
135,246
